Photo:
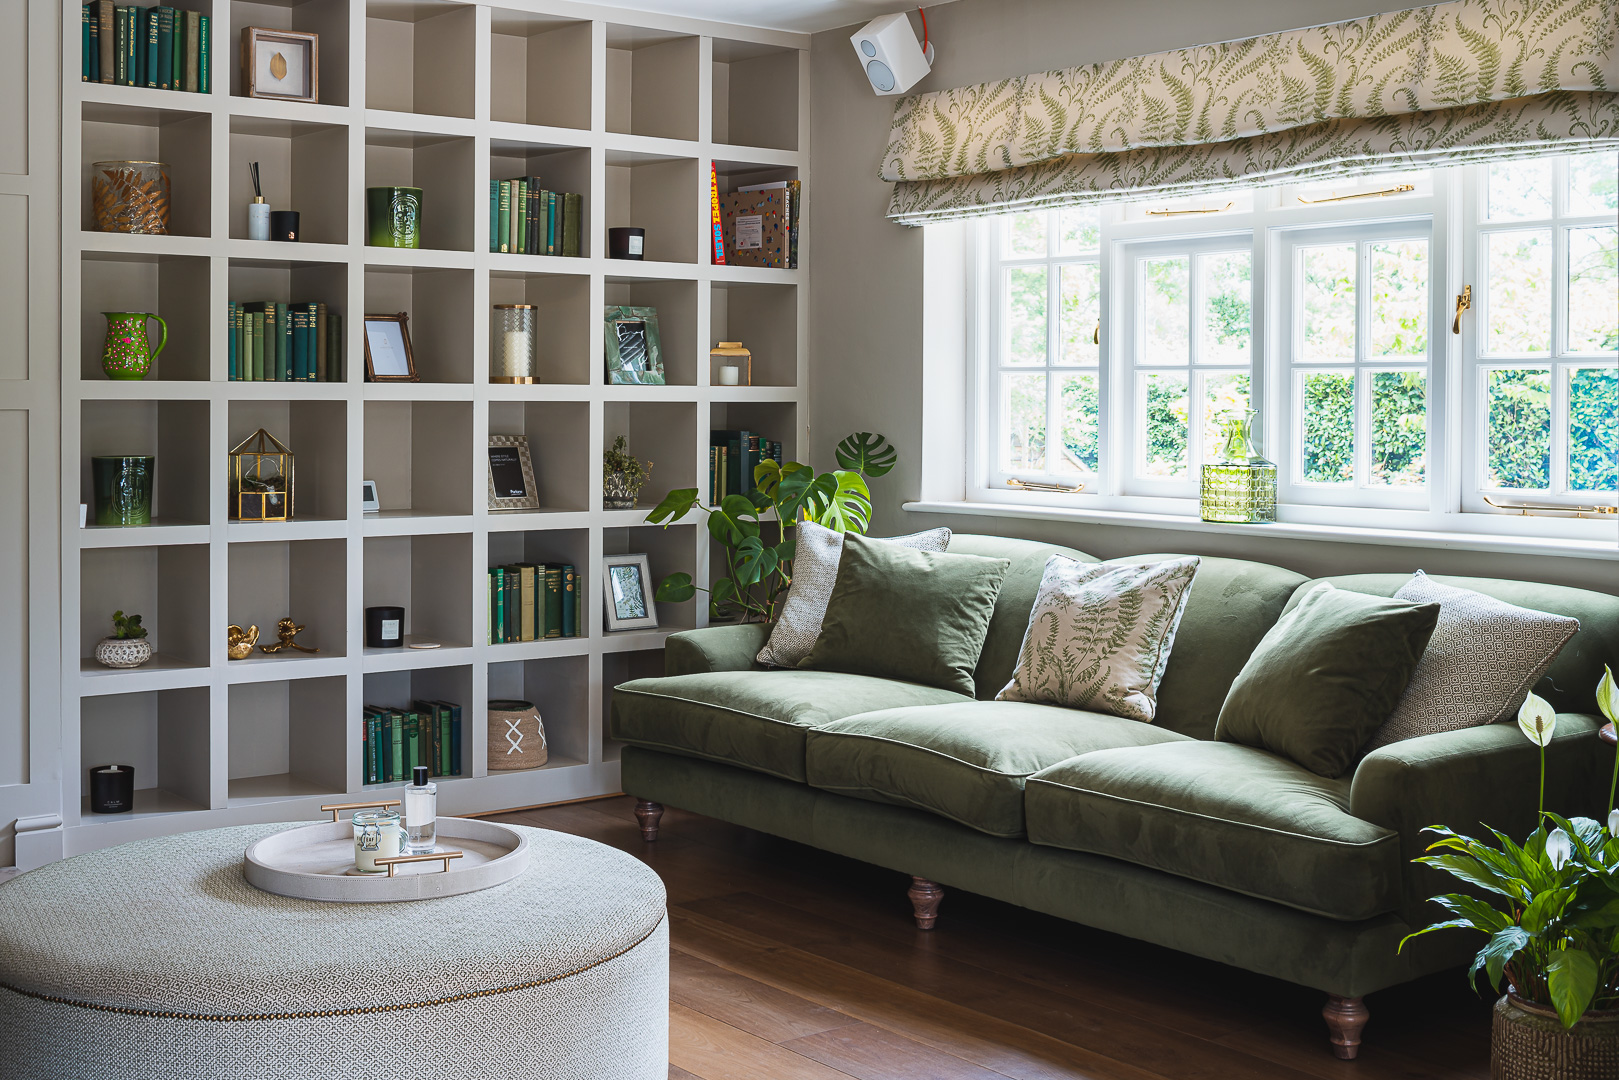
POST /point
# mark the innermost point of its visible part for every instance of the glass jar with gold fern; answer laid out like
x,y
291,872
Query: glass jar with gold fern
x,y
1241,486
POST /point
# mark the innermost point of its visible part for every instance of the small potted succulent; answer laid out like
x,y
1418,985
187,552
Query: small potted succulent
x,y
1550,910
128,646
622,476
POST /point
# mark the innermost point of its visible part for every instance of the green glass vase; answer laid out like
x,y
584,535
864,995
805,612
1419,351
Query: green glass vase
x,y
393,217
1240,488
123,489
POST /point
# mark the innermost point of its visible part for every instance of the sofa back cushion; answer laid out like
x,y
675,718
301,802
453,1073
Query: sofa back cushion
x,y
1018,590
1232,604
1570,684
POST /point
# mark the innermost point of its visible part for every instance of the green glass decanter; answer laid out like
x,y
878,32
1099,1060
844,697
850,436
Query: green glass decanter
x,y
1241,487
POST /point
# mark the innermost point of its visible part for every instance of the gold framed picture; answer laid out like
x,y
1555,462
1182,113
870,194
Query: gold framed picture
x,y
388,357
280,64
511,474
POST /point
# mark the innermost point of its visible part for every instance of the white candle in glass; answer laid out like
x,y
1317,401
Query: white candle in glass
x,y
517,351
729,375
377,835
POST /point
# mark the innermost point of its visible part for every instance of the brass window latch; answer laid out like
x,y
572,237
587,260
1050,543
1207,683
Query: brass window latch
x,y
1464,301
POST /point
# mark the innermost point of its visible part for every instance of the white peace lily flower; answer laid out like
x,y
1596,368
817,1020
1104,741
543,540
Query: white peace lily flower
x,y
1613,822
1537,719
1559,848
1608,695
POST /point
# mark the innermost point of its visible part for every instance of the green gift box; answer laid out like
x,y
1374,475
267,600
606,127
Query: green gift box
x,y
393,217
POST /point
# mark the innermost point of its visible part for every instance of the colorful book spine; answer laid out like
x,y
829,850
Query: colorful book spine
x,y
521,201
553,601
494,215
84,44
233,329
503,216
205,82
553,224
300,343
570,602
714,213
498,612
165,48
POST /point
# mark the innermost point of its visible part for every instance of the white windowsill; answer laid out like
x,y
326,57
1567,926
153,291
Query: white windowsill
x,y
1390,537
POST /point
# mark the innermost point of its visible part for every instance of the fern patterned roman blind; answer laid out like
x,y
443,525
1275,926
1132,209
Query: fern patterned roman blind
x,y
1433,85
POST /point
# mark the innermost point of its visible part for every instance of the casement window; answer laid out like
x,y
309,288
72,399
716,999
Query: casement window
x,y
1118,342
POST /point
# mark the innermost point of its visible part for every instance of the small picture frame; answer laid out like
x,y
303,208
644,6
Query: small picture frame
x,y
633,345
370,503
388,357
283,65
628,594
511,474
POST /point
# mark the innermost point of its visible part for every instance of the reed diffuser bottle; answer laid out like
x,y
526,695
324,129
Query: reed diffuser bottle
x,y
258,211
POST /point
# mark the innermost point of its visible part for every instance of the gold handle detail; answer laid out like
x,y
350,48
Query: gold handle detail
x,y
1178,213
1096,335
1464,301
1526,509
337,808
1398,190
433,856
1033,485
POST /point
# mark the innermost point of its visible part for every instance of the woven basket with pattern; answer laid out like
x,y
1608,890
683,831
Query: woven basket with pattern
x,y
516,737
1528,1042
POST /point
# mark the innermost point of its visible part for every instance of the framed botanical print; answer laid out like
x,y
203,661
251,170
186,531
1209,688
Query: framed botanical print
x,y
283,65
511,474
388,357
634,348
627,591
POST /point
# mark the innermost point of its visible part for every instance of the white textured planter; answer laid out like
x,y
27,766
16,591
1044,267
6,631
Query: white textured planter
x,y
123,652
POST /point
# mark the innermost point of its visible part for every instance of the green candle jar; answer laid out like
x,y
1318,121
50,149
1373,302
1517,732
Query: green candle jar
x,y
393,217
123,489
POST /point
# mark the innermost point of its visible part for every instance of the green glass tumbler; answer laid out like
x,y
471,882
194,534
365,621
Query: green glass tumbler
x,y
123,489
393,217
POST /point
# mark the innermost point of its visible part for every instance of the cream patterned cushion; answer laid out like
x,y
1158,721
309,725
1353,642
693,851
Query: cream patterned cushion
x,y
1483,659
815,570
1099,635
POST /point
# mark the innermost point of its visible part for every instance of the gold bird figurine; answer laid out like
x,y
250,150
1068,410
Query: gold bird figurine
x,y
238,642
286,630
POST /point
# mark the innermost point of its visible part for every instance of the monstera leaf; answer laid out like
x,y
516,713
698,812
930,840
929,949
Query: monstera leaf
x,y
676,588
675,505
867,454
735,519
847,505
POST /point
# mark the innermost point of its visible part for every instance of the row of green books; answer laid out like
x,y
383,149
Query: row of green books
x,y
274,342
395,741
162,48
532,601
732,457
526,219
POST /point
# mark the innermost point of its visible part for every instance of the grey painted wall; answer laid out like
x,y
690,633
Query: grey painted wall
x,y
866,317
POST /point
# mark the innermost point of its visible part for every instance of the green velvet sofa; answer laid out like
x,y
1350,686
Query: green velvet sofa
x,y
1156,831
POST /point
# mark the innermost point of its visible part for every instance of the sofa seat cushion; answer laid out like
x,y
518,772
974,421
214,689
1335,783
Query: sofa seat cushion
x,y
964,762
1224,814
755,719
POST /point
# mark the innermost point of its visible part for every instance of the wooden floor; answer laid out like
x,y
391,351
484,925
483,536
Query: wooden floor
x,y
791,964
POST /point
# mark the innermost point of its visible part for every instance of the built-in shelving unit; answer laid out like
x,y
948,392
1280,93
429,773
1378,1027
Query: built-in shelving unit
x,y
630,110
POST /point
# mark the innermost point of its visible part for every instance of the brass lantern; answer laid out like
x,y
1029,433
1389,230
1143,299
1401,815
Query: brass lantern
x,y
260,479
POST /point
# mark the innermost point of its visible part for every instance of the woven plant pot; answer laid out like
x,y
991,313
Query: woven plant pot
x,y
123,652
1528,1042
618,493
516,737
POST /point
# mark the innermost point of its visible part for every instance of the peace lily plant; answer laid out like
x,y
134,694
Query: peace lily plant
x,y
1553,923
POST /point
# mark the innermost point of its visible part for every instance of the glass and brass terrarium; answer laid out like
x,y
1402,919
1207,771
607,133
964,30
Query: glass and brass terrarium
x,y
260,479
1241,487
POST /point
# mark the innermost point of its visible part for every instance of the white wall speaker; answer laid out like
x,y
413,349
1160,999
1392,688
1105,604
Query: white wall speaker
x,y
893,59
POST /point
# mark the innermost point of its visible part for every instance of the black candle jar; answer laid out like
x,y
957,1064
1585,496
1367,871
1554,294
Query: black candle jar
x,y
384,627
626,243
284,225
112,789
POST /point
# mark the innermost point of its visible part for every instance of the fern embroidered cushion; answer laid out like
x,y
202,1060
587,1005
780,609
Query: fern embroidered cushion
x,y
815,570
1099,635
1483,659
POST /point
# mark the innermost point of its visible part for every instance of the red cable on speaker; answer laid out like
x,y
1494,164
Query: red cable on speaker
x,y
924,15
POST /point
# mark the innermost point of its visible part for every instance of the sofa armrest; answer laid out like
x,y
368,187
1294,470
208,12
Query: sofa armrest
x,y
714,648
1472,778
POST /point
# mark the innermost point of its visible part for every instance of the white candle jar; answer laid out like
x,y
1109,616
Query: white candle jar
x,y
511,344
377,835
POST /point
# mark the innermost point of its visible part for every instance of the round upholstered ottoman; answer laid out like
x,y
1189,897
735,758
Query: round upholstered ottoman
x,y
157,959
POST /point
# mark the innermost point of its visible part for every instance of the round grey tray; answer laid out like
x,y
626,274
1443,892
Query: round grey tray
x,y
316,862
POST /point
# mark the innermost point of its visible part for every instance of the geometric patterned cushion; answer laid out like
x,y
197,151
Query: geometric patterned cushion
x,y
1483,659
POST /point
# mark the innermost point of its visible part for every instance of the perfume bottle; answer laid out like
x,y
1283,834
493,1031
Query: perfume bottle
x,y
421,814
258,211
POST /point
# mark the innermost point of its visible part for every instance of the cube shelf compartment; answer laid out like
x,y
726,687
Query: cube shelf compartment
x,y
569,546
287,738
558,441
442,166
175,432
420,56
420,454
564,319
671,550
441,324
431,578
775,420
304,580
663,433
402,689
764,318
676,302
168,587
658,193
328,18
651,83
559,686
560,167
755,98
164,735
167,285
539,69
302,166
622,667
181,140
316,433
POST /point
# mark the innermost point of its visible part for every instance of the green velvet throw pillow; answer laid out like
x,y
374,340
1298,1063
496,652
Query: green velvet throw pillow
x,y
899,613
1326,677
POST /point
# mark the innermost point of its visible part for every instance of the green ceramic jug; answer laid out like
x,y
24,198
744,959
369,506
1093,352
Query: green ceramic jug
x,y
127,353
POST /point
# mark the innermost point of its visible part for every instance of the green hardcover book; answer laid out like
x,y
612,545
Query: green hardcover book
x,y
553,601
283,343
136,47
570,602
489,606
536,243
322,330
396,745
84,43
253,349
336,348
205,82
413,743
165,48
494,215
542,210
520,243
514,604
120,40
446,753
525,586
455,739
553,238
572,204
149,68
428,730
193,38
517,216
177,61
367,747
233,331
500,605
503,216
302,368
104,33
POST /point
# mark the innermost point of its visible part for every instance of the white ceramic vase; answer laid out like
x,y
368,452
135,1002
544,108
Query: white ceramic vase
x,y
123,652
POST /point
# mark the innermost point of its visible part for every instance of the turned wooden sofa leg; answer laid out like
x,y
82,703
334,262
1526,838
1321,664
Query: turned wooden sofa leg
x,y
1345,1017
925,899
648,813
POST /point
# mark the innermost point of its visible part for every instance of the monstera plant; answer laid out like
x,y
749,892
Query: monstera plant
x,y
759,551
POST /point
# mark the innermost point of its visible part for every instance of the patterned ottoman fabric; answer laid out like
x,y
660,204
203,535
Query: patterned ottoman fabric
x,y
156,959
